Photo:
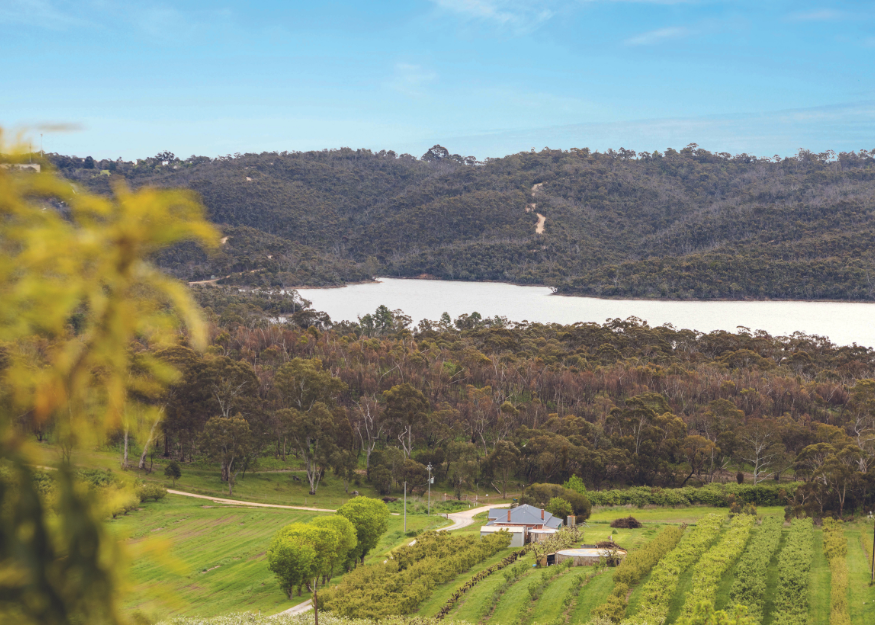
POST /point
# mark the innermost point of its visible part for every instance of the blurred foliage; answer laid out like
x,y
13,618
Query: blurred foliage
x,y
82,305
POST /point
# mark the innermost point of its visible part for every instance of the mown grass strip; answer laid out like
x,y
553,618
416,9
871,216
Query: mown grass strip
x,y
794,568
749,587
659,590
862,595
835,548
715,562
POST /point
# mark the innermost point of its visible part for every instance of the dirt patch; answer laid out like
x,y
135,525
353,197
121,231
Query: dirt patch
x,y
258,555
212,569
223,240
157,529
539,228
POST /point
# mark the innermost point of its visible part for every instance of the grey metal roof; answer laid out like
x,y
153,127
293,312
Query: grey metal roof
x,y
523,515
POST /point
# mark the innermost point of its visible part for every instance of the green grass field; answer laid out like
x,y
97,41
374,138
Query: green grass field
x,y
222,550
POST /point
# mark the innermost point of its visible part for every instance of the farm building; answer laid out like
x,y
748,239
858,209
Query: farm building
x,y
524,516
517,534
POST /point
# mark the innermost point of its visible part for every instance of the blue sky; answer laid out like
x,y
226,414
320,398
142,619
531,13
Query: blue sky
x,y
482,77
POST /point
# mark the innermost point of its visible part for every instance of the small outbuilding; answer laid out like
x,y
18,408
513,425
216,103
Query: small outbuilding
x,y
588,555
517,534
540,535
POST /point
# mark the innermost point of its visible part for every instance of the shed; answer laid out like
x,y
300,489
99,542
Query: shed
x,y
517,534
537,536
588,555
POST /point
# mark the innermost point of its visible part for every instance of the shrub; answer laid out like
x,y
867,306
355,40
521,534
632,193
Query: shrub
x,y
151,491
559,507
628,522
173,471
541,494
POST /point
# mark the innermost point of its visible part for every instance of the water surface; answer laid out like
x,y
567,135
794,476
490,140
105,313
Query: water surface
x,y
844,323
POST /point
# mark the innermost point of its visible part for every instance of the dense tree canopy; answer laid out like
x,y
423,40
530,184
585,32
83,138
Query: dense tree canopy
x,y
678,224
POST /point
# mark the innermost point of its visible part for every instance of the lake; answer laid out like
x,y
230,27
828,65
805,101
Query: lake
x,y
844,323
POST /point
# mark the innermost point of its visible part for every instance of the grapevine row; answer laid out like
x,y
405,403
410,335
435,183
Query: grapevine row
x,y
794,565
835,548
478,577
664,580
634,568
400,584
716,561
749,587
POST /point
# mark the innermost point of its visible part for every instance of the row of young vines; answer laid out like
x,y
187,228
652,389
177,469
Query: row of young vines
x,y
661,587
794,566
478,577
749,587
716,561
399,585
634,568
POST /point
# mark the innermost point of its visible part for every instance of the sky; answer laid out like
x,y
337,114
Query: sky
x,y
481,77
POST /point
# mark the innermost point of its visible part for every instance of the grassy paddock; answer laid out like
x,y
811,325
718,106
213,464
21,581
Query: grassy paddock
x,y
272,481
223,550
688,515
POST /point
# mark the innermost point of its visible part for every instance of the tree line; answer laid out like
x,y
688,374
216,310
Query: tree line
x,y
500,406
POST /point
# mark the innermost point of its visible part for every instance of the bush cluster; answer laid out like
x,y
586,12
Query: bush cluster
x,y
629,523
664,580
717,495
716,562
406,579
749,587
835,548
794,564
633,569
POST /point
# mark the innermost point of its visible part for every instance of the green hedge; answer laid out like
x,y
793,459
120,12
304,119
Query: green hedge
x,y
763,494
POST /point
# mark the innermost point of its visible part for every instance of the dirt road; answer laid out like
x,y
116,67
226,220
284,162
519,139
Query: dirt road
x,y
253,504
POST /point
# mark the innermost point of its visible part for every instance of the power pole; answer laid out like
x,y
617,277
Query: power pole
x,y
405,507
429,467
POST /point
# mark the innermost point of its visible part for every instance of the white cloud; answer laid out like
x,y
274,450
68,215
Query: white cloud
x,y
521,15
411,79
654,37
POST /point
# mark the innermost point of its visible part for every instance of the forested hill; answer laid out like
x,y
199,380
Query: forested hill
x,y
679,224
